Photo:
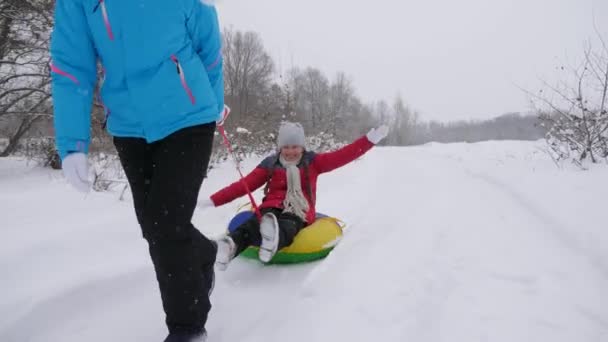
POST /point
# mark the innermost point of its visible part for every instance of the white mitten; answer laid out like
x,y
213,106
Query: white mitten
x,y
223,116
375,135
76,171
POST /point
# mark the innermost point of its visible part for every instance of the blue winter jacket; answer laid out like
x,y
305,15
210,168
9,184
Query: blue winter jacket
x,y
161,59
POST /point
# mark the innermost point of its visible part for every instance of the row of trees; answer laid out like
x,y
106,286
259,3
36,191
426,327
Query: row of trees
x,y
513,126
260,97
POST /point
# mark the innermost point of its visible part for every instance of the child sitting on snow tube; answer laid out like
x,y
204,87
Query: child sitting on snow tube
x,y
313,242
290,176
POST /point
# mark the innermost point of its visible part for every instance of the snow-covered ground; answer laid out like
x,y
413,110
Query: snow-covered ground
x,y
458,242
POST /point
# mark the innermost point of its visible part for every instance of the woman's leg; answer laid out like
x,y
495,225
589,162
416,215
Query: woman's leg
x,y
166,177
136,159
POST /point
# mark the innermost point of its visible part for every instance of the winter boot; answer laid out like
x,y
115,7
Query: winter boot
x,y
225,252
269,229
187,337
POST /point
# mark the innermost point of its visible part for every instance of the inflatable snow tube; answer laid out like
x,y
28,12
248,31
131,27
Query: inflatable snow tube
x,y
312,243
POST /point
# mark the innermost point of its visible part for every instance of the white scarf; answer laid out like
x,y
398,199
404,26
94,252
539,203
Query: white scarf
x,y
295,202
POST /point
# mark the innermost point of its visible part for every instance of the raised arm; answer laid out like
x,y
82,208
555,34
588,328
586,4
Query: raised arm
x,y
325,162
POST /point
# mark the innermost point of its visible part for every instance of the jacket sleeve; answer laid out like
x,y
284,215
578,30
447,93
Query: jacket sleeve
x,y
204,29
73,77
255,179
325,162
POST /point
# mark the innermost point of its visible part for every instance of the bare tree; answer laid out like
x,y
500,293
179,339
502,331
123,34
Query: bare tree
x,y
575,110
248,70
360,118
25,96
341,94
311,97
316,91
25,26
405,123
382,111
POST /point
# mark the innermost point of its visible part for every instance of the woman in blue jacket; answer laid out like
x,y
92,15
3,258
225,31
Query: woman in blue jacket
x,y
162,94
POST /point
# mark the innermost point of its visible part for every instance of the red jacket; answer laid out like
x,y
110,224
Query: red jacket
x,y
318,163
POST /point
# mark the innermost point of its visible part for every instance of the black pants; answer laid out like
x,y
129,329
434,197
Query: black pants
x,y
248,233
165,178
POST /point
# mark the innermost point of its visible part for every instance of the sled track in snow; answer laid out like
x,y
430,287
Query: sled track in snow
x,y
556,229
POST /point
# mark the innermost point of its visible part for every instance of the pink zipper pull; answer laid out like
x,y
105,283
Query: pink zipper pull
x,y
58,71
106,20
182,77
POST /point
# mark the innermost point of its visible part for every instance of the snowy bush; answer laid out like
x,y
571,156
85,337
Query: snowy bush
x,y
575,111
107,172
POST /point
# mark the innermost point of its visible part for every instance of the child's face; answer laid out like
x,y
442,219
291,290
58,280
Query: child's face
x,y
292,153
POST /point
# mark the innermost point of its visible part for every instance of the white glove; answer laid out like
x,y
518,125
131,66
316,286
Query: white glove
x,y
76,171
223,116
205,203
375,135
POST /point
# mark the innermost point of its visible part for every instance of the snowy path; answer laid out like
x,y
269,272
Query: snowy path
x,y
444,243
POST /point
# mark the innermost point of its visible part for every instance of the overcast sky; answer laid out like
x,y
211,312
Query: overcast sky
x,y
448,59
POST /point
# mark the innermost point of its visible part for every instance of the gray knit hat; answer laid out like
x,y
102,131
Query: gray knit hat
x,y
291,133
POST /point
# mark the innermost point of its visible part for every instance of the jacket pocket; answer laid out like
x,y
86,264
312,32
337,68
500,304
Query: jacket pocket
x,y
182,77
55,69
101,4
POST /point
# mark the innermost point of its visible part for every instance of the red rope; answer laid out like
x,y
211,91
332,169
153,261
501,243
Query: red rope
x,y
238,168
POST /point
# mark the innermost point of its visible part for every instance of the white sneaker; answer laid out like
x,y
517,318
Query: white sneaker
x,y
269,229
225,252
